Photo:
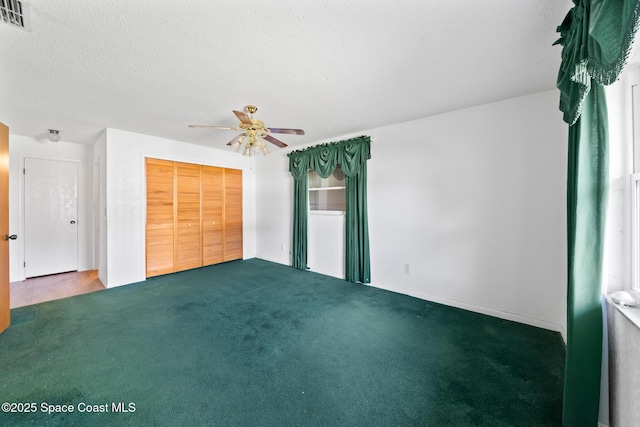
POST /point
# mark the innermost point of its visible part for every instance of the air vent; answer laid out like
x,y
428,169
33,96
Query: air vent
x,y
16,13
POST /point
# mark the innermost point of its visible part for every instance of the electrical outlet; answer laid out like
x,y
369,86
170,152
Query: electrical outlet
x,y
407,269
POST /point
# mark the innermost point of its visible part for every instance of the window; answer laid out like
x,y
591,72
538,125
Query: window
x,y
327,194
635,227
634,85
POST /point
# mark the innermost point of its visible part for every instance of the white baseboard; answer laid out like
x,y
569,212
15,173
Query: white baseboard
x,y
274,260
453,303
477,309
328,273
320,271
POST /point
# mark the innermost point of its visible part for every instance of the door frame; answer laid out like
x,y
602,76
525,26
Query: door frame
x,y
5,289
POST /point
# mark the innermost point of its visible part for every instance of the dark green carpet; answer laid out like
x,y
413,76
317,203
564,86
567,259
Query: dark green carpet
x,y
256,343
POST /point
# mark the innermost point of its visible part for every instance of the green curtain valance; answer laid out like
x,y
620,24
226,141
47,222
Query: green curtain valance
x,y
350,154
597,36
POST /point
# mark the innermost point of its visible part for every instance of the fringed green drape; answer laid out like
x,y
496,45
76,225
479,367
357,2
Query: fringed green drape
x,y
352,156
596,37
586,206
299,166
357,267
300,206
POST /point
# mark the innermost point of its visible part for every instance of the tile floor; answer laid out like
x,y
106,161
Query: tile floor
x,y
55,286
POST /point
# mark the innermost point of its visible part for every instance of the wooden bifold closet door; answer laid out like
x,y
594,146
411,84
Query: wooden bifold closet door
x,y
160,217
188,252
212,215
233,214
194,216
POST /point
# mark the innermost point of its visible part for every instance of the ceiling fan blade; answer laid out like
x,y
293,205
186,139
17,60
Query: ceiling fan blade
x,y
211,127
275,141
242,135
244,118
287,131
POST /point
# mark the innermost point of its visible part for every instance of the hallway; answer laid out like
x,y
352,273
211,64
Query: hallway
x,y
52,287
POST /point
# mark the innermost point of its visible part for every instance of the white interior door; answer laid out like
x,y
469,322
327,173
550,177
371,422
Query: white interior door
x,y
51,216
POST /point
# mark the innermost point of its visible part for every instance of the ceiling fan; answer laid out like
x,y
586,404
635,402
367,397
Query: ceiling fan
x,y
255,130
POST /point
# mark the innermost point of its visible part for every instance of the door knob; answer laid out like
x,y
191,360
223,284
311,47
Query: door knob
x,y
72,222
12,237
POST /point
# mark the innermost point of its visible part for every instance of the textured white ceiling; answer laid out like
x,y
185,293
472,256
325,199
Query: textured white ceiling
x,y
331,67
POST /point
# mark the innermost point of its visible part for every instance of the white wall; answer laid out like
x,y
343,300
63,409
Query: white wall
x,y
473,200
100,216
21,147
126,199
274,204
326,244
624,372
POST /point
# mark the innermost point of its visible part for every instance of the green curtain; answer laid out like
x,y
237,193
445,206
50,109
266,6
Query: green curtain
x,y
352,156
357,267
298,166
300,205
596,37
586,205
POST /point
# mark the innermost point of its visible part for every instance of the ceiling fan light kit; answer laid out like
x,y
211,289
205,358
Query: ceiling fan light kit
x,y
237,142
255,130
